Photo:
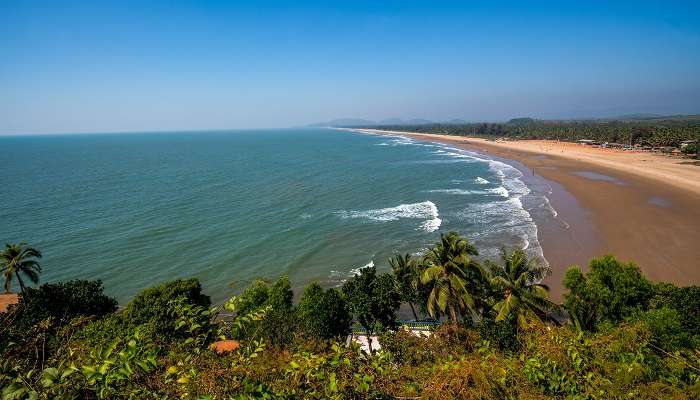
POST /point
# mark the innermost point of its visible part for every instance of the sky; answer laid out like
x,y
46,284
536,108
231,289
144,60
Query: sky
x,y
101,66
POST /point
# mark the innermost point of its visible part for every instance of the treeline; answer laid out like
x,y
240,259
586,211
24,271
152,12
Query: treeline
x,y
616,335
665,132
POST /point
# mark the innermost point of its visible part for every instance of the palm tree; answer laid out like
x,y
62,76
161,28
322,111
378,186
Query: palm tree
x,y
17,260
451,276
406,273
519,288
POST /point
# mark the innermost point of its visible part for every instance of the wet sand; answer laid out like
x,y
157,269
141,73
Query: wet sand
x,y
604,209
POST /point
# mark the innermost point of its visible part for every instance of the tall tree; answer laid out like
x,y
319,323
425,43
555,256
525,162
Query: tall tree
x,y
373,300
610,291
407,278
518,287
17,260
451,276
279,323
324,314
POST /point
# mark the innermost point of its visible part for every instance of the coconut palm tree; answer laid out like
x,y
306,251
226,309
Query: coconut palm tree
x,y
451,277
407,277
17,260
519,290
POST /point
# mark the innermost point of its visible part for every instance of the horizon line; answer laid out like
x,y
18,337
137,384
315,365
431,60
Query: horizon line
x,y
317,125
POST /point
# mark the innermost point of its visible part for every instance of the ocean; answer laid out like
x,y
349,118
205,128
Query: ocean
x,y
229,206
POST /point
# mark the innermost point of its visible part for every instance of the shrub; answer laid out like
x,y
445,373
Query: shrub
x,y
684,299
666,329
62,302
610,291
373,299
279,323
324,314
503,334
156,305
100,332
30,326
254,297
413,348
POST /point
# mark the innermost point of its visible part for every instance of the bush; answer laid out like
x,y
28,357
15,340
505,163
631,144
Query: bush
x,y
373,299
413,348
686,300
30,326
405,347
324,314
280,323
156,306
254,297
611,291
666,329
502,334
62,302
102,331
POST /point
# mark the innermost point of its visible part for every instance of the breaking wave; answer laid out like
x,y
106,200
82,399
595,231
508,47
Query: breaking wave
x,y
426,210
340,277
356,271
499,191
494,220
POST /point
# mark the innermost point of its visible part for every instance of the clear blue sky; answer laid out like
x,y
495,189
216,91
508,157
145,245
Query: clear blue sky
x,y
92,66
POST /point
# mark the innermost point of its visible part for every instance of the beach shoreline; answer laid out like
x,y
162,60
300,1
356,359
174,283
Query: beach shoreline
x,y
640,207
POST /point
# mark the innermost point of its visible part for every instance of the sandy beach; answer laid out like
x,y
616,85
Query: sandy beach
x,y
638,206
7,299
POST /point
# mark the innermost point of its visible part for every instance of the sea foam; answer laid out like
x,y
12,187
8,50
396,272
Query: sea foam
x,y
426,210
499,191
358,270
507,214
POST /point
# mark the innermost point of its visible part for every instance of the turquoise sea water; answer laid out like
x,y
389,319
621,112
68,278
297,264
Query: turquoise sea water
x,y
315,204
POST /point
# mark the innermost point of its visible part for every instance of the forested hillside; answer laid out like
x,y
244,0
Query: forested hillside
x,y
668,131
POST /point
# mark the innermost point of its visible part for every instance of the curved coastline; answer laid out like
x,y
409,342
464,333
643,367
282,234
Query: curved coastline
x,y
602,208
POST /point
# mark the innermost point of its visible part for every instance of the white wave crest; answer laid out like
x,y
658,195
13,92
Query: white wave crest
x,y
340,277
501,191
454,191
358,270
426,210
506,215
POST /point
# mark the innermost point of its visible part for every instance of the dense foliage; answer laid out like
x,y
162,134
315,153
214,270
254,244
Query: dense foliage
x,y
155,306
29,328
280,322
610,292
373,299
653,132
324,314
503,338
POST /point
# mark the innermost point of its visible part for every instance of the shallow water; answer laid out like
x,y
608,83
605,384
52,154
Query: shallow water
x,y
315,204
598,177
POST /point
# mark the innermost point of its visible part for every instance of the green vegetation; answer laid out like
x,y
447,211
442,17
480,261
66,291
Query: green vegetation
x,y
17,260
668,131
324,314
407,277
617,336
452,277
155,305
373,299
519,291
